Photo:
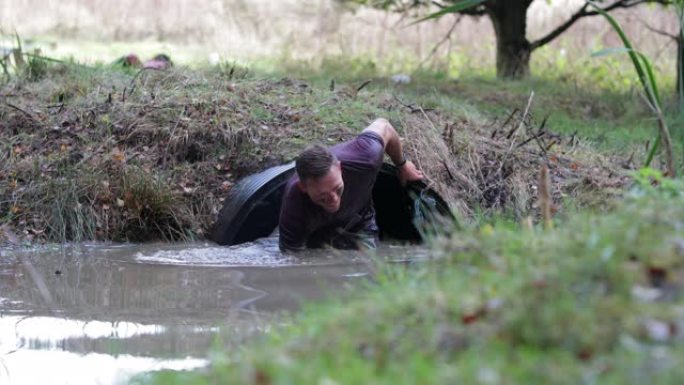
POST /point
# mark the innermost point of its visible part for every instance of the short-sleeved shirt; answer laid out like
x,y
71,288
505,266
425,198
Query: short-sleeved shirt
x,y
305,224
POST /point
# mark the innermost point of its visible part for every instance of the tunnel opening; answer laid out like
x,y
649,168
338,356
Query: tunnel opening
x,y
252,208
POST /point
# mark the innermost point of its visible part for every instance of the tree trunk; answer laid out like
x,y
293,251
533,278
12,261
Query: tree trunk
x,y
513,50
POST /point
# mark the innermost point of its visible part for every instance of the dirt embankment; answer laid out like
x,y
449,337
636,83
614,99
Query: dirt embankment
x,y
112,155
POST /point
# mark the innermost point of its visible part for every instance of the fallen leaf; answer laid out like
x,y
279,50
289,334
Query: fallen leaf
x,y
225,186
585,354
119,156
471,317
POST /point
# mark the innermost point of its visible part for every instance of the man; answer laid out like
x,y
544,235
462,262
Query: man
x,y
329,200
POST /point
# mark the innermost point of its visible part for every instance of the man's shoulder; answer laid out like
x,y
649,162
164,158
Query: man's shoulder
x,y
367,147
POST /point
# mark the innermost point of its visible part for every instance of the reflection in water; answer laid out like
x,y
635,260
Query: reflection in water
x,y
62,367
117,310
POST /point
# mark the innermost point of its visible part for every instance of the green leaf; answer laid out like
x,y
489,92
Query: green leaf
x,y
644,70
652,152
457,7
651,79
651,85
610,51
628,45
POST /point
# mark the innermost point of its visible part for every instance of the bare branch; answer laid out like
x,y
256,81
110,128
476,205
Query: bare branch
x,y
445,39
562,28
583,12
660,32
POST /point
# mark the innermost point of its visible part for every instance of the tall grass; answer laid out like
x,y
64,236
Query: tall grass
x,y
70,215
649,83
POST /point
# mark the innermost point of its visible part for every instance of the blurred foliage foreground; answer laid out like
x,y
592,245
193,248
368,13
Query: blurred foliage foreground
x,y
122,154
598,302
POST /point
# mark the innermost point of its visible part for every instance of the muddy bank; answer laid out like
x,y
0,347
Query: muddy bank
x,y
105,154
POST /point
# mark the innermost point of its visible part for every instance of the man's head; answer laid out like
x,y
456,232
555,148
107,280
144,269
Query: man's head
x,y
320,177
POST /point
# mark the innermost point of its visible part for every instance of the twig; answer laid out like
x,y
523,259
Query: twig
x,y
508,119
412,109
460,176
545,196
538,137
446,167
522,121
628,164
409,106
541,145
367,82
131,85
29,115
444,39
41,57
527,110
531,138
660,31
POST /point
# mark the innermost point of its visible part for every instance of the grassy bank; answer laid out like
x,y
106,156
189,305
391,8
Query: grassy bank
x,y
117,154
114,154
596,301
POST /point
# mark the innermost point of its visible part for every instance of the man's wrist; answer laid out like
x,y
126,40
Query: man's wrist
x,y
402,162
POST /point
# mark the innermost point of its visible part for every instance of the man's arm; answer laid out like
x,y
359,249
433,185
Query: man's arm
x,y
292,225
407,171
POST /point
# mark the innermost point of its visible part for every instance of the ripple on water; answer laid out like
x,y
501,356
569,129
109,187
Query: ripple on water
x,y
263,252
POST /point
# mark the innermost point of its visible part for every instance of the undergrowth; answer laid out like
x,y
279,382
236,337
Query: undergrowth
x,y
73,137
596,301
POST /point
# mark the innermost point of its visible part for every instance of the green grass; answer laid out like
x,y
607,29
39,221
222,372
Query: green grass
x,y
226,121
497,305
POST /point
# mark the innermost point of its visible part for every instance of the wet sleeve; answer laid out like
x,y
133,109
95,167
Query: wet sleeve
x,y
292,226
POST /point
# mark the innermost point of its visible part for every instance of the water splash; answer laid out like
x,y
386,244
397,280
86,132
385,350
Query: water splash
x,y
263,252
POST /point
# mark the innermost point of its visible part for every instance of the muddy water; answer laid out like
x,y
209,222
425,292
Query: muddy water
x,y
100,313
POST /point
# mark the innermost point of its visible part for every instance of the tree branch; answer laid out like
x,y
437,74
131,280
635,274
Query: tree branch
x,y
562,28
661,32
583,12
446,37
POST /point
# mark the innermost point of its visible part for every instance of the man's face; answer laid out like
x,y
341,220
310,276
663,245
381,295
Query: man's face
x,y
326,191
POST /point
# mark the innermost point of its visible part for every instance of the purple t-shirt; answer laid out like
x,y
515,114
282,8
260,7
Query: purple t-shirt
x,y
303,223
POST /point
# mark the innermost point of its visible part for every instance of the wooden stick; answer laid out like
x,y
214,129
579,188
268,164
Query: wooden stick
x,y
545,196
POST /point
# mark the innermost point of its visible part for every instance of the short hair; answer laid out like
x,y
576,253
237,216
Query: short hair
x,y
314,162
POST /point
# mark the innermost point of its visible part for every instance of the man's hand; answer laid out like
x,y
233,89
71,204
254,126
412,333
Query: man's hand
x,y
408,172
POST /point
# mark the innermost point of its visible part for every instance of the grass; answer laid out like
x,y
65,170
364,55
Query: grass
x,y
498,304
109,153
74,135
